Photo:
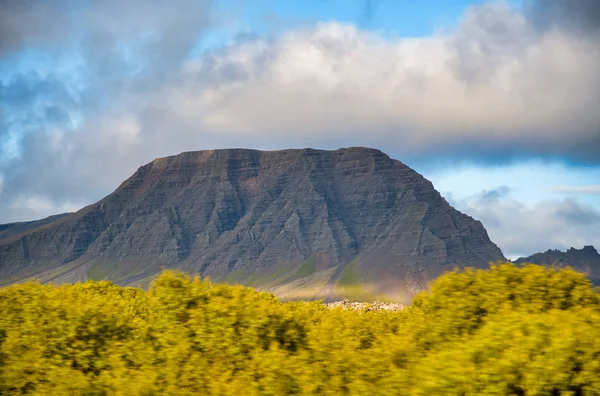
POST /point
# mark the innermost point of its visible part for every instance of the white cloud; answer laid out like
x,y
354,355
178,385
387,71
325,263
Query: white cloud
x,y
38,206
494,84
123,131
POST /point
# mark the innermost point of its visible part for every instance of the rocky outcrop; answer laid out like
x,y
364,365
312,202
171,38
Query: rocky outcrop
x,y
306,223
585,260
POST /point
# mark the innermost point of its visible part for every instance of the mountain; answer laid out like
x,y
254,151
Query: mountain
x,y
300,223
586,260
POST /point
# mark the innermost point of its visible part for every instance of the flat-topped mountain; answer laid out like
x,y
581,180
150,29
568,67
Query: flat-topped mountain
x,y
300,223
586,260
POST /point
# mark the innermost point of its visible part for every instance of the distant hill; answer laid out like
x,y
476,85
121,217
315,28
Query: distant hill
x,y
301,223
586,260
12,229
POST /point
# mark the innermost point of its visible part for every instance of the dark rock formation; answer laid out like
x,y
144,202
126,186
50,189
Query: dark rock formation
x,y
586,260
302,223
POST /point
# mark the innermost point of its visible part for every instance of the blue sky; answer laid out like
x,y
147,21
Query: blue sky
x,y
395,18
390,18
494,101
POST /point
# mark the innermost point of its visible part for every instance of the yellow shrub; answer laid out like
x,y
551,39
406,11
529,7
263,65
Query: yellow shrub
x,y
507,330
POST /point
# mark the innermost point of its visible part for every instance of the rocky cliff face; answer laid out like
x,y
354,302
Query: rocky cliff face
x,y
301,223
586,260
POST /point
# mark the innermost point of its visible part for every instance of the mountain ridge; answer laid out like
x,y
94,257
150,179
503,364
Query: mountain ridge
x,y
586,260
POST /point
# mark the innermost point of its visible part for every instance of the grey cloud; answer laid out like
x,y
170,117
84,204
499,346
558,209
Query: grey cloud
x,y
79,132
121,46
489,37
495,194
39,23
575,214
590,189
580,16
30,22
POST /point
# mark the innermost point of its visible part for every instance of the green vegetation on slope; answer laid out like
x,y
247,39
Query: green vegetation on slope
x,y
236,276
507,330
350,275
284,273
307,268
99,271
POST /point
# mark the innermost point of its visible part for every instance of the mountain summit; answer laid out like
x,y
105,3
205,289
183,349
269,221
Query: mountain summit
x,y
300,223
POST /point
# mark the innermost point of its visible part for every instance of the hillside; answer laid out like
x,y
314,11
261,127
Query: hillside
x,y
301,223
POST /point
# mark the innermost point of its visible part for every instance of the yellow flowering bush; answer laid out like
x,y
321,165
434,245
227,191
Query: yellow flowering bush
x,y
504,331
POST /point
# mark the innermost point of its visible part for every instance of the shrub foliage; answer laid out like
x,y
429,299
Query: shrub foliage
x,y
502,331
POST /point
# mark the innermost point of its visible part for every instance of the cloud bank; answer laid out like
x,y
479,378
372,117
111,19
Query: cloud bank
x,y
500,85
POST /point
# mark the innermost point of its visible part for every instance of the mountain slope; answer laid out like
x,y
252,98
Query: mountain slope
x,y
586,260
303,223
